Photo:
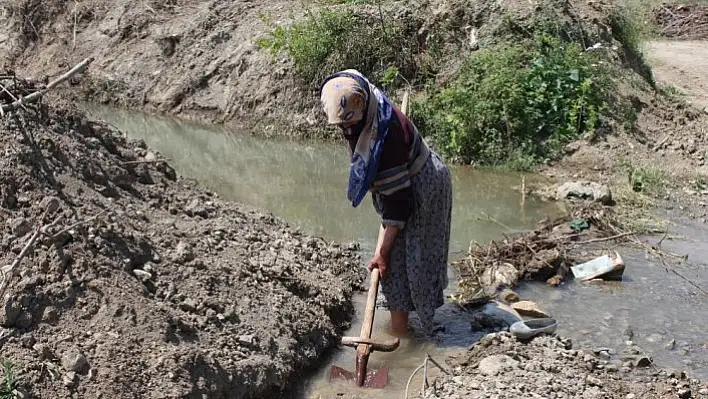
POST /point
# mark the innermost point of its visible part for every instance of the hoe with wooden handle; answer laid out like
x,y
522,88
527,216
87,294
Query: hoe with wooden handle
x,y
365,345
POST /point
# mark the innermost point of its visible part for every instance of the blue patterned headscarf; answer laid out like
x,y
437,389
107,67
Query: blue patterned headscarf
x,y
348,97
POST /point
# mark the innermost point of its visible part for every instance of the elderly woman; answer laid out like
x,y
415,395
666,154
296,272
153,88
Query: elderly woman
x,y
411,190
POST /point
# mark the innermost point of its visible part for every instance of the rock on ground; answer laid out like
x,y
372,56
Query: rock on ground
x,y
585,190
150,285
499,366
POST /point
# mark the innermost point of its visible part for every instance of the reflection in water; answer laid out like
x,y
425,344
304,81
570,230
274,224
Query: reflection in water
x,y
305,184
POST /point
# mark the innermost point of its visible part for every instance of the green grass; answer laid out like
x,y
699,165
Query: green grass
x,y
635,211
630,26
643,179
8,381
699,183
672,92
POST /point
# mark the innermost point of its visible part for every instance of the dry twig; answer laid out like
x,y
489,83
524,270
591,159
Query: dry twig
x,y
13,268
602,239
158,160
77,224
80,67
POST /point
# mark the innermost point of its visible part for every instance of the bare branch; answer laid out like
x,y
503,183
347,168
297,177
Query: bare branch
x,y
77,224
80,67
10,271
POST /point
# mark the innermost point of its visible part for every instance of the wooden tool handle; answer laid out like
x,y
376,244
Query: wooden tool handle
x,y
388,345
368,323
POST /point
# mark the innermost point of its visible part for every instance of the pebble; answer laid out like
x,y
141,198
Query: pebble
x,y
684,393
73,360
594,381
249,339
142,275
43,351
20,227
184,252
189,305
20,393
494,364
70,379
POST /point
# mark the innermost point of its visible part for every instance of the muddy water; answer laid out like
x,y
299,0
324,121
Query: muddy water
x,y
653,307
305,184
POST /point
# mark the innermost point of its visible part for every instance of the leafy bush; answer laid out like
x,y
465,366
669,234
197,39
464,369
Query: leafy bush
x,y
515,105
329,40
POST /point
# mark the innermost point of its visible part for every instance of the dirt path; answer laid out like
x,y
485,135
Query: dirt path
x,y
684,65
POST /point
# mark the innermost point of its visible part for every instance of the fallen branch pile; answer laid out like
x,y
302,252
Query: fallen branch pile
x,y
14,92
683,21
544,254
548,252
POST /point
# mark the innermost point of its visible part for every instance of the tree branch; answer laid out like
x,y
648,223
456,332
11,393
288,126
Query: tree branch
x,y
12,269
80,67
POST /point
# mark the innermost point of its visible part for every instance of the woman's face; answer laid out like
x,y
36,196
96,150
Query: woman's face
x,y
347,125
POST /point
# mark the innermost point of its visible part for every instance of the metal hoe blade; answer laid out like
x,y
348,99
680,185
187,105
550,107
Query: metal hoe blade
x,y
374,379
365,345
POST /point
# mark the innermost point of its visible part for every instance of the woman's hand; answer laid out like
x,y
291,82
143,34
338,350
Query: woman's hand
x,y
379,262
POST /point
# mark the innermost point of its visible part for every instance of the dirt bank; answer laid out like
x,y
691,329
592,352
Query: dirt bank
x,y
662,162
190,58
500,366
201,59
146,284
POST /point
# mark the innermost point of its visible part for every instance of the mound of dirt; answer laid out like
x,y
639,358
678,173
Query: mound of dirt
x,y
138,283
500,366
682,21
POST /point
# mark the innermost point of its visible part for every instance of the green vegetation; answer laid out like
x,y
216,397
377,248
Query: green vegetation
x,y
532,88
648,180
516,105
699,183
8,381
349,1
629,29
328,40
